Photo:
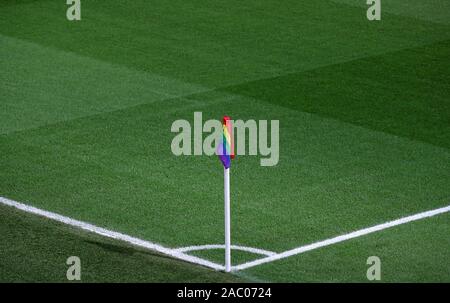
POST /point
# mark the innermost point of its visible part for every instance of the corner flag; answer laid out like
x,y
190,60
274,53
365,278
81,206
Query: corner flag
x,y
226,153
226,148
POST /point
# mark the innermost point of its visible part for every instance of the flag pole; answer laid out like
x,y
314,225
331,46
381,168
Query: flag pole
x,y
227,220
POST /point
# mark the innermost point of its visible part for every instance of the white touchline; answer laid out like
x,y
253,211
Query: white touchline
x,y
112,234
342,238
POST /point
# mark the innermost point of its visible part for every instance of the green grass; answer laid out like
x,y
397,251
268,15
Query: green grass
x,y
36,250
86,109
416,252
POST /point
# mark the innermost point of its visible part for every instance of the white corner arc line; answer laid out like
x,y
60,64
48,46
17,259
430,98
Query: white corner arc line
x,y
111,234
257,251
352,235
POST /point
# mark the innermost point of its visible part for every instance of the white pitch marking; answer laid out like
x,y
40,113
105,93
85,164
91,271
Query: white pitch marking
x,y
179,253
342,238
111,234
253,250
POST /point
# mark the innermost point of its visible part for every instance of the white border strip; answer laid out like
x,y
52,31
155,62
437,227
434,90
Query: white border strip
x,y
342,238
252,250
112,234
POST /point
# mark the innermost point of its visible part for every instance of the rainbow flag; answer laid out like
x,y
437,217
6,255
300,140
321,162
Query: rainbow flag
x,y
226,148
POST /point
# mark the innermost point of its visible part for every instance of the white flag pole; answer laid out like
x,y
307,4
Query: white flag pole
x,y
227,220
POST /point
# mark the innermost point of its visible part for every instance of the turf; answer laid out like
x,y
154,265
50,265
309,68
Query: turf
x,y
417,253
86,109
36,250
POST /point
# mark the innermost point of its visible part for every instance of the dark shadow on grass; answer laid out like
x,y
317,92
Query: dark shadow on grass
x,y
113,248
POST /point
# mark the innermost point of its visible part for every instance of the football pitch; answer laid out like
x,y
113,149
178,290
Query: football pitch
x,y
86,167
